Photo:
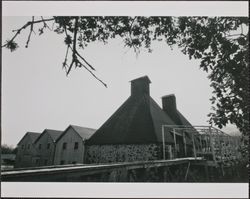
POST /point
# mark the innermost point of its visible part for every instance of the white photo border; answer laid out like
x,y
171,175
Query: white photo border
x,y
125,8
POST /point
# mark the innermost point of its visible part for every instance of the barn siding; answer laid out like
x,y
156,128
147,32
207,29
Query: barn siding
x,y
45,155
69,155
121,153
25,153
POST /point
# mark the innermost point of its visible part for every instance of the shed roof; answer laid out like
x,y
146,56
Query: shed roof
x,y
138,120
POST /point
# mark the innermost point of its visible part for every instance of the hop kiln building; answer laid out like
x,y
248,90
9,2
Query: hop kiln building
x,y
134,131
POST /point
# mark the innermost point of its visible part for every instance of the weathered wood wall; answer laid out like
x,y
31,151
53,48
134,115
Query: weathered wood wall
x,y
70,155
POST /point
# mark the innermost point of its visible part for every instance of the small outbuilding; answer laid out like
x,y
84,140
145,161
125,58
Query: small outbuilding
x,y
46,145
70,145
26,150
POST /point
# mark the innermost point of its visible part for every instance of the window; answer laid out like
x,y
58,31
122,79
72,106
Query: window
x,y
45,162
37,161
48,145
40,146
64,145
28,146
76,145
62,162
74,162
22,146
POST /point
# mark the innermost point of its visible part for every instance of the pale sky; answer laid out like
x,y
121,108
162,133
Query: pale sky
x,y
36,94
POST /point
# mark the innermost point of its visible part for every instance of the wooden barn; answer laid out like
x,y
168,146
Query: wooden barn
x,y
46,145
26,150
70,145
134,131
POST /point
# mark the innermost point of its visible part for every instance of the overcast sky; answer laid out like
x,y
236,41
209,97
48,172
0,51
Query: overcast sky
x,y
37,94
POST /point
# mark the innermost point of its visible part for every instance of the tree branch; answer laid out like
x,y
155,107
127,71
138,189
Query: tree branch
x,y
74,58
31,30
92,73
29,23
85,60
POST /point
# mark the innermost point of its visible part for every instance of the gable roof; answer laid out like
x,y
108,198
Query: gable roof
x,y
137,121
32,135
83,132
54,134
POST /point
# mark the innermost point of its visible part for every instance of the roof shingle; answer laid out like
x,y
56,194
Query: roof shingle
x,y
137,121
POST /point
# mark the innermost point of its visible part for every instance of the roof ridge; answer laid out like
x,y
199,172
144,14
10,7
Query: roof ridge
x,y
81,127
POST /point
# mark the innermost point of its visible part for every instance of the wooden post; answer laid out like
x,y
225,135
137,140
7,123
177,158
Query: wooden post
x,y
206,142
228,148
211,143
200,144
193,145
163,143
170,151
220,148
185,145
206,172
175,145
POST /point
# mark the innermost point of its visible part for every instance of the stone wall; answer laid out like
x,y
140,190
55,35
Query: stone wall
x,y
123,153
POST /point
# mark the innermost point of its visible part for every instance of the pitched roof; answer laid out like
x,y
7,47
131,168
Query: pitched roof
x,y
54,134
32,135
138,120
84,132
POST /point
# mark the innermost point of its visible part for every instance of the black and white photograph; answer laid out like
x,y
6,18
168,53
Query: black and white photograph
x,y
125,98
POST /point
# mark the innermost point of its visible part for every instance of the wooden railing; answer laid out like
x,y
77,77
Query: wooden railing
x,y
207,141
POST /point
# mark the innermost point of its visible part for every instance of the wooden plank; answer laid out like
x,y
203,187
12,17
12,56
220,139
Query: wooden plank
x,y
175,145
194,150
185,144
94,169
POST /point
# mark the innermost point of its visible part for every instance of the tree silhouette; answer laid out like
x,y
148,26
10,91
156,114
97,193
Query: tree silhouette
x,y
220,43
6,149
